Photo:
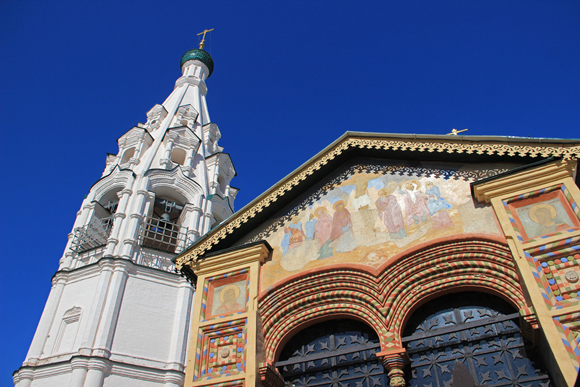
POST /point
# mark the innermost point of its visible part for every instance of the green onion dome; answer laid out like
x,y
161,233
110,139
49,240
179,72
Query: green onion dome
x,y
200,55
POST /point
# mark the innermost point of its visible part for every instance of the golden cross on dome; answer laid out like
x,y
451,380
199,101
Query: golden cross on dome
x,y
202,44
455,131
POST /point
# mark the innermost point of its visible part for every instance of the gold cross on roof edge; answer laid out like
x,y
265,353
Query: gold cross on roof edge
x,y
202,44
455,131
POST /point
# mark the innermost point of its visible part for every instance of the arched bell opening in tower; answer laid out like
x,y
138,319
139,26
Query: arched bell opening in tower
x,y
163,230
97,229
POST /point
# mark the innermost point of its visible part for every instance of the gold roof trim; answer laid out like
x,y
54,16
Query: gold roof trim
x,y
412,144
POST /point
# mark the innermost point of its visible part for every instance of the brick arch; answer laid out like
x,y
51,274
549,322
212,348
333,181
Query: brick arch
x,y
386,296
447,267
339,293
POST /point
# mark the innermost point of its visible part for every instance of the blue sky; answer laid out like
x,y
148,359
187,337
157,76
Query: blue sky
x,y
289,79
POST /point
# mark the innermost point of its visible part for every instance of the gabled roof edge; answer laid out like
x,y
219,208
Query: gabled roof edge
x,y
501,146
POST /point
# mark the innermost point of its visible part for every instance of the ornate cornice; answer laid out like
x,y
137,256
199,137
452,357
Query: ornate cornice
x,y
499,146
472,147
546,174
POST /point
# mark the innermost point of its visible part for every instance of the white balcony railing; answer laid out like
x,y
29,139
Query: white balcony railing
x,y
92,235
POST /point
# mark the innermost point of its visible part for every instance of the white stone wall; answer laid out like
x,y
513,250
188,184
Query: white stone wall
x,y
141,323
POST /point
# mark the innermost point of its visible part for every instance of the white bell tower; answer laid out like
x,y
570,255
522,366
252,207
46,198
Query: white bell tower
x,y
117,313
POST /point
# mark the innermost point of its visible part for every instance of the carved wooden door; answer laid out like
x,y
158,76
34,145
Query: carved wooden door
x,y
477,330
337,353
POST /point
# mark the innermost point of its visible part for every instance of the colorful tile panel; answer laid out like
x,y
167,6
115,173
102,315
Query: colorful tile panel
x,y
557,273
221,350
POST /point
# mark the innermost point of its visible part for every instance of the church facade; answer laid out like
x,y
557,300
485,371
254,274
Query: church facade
x,y
386,259
401,260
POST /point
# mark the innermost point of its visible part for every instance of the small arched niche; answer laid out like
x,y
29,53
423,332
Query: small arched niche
x,y
469,339
178,156
127,155
66,336
333,353
222,184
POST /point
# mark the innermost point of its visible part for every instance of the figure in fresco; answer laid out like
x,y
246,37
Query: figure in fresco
x,y
341,233
391,214
293,236
416,210
310,226
437,207
544,214
363,214
361,200
322,232
229,299
297,249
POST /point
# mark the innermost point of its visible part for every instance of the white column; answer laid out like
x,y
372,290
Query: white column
x,y
166,159
46,320
169,148
174,379
110,314
94,316
208,217
134,224
186,220
86,211
66,260
98,369
189,157
187,168
79,371
24,378
194,224
84,216
118,216
139,147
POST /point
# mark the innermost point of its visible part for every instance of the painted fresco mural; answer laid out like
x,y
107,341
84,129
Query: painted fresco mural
x,y
544,218
370,212
227,296
544,215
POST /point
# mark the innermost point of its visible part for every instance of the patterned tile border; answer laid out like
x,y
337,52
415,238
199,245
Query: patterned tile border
x,y
233,383
569,341
545,251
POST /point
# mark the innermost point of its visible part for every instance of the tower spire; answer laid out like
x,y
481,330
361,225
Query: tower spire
x,y
168,185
